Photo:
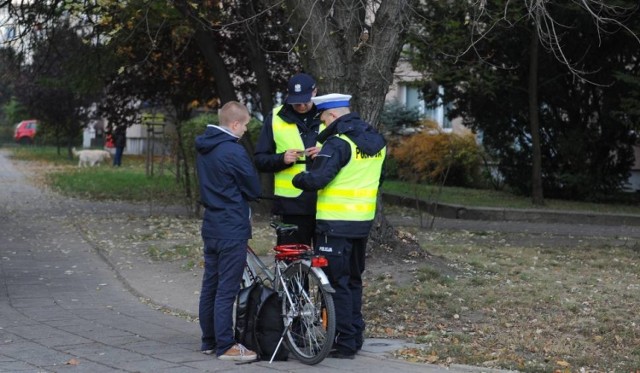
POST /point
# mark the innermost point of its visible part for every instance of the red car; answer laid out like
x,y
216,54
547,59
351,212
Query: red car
x,y
25,131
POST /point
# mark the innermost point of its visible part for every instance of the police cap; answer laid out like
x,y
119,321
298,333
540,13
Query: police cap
x,y
330,101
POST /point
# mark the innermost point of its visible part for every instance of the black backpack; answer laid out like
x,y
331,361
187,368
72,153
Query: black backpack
x,y
259,323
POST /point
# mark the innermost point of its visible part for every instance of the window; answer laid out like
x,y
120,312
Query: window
x,y
438,112
414,99
10,33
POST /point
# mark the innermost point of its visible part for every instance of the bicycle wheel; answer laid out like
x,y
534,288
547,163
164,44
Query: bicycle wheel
x,y
309,314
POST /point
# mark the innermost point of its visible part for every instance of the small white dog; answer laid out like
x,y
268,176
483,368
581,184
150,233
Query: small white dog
x,y
91,157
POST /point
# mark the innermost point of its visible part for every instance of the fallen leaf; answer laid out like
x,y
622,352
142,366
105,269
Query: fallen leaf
x,y
432,359
73,361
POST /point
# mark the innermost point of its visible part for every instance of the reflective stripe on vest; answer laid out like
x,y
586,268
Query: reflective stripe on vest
x,y
352,194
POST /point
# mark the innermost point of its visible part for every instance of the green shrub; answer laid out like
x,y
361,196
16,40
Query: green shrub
x,y
390,167
195,127
396,117
6,134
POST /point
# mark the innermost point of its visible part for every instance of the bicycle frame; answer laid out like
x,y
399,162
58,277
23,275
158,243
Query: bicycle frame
x,y
254,263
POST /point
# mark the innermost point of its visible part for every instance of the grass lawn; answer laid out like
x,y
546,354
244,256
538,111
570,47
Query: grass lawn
x,y
503,199
533,303
129,182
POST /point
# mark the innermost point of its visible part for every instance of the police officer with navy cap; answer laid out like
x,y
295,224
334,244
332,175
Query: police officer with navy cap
x,y
347,173
286,146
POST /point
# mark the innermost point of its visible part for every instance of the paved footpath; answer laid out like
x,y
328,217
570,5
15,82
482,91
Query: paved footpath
x,y
63,309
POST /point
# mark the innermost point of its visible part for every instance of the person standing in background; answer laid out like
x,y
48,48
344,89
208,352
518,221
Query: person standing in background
x,y
120,142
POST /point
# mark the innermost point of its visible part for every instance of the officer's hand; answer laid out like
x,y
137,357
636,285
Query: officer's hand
x,y
312,151
292,155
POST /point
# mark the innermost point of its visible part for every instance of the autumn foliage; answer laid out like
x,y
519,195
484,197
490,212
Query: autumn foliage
x,y
435,156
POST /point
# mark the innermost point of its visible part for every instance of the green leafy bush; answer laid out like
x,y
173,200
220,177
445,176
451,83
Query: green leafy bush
x,y
6,133
396,117
195,127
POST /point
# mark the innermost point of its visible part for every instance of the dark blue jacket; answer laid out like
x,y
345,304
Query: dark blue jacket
x,y
267,160
334,155
228,181
120,137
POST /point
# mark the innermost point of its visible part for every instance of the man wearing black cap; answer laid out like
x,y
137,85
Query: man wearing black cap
x,y
286,146
346,173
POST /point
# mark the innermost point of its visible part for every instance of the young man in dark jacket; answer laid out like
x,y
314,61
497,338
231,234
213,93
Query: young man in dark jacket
x,y
347,174
228,181
286,146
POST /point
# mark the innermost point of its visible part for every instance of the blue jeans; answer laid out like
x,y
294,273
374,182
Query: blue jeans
x,y
224,261
117,157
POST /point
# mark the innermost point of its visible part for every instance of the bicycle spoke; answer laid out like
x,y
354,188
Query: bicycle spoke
x,y
308,336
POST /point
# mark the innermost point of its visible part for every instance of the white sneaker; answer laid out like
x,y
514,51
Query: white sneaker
x,y
238,353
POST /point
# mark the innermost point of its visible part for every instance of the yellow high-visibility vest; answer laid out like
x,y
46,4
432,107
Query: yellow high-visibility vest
x,y
352,194
287,136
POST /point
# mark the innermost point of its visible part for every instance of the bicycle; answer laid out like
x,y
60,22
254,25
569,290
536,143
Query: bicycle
x,y
307,304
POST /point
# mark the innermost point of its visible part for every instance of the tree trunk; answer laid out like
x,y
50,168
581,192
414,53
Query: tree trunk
x,y
344,62
335,55
534,120
256,55
208,45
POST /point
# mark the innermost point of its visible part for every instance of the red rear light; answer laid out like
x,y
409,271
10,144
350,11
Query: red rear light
x,y
319,261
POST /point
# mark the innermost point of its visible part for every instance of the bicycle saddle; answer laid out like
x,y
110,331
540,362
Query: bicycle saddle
x,y
282,228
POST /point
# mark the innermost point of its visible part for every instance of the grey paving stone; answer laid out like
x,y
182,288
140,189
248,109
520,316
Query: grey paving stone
x,y
149,365
35,354
149,347
17,366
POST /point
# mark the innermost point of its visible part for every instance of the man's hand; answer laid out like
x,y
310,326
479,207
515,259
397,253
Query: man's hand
x,y
292,155
312,151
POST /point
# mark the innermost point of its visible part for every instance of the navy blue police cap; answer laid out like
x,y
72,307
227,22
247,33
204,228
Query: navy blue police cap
x,y
300,89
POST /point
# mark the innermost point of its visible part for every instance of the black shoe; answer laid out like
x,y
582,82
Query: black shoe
x,y
341,355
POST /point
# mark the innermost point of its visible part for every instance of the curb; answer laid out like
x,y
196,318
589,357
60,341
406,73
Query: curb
x,y
449,211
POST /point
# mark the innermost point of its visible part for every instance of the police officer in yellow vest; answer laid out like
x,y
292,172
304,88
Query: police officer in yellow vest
x,y
347,174
286,147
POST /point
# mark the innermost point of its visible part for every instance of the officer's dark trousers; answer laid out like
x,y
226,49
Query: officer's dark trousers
x,y
306,229
346,264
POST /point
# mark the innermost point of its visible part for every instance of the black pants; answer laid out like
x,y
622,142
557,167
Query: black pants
x,y
346,263
306,229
